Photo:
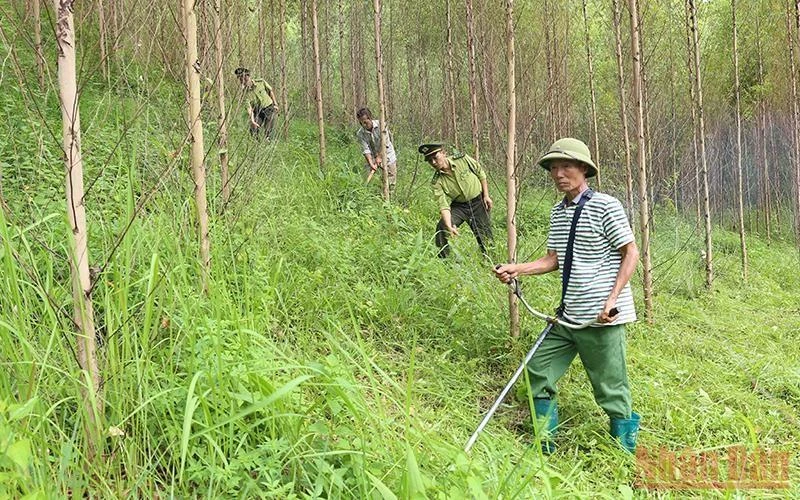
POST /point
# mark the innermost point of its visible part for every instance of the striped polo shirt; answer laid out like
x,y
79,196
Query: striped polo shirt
x,y
602,229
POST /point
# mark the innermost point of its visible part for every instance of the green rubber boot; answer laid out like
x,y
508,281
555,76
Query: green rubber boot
x,y
546,410
625,431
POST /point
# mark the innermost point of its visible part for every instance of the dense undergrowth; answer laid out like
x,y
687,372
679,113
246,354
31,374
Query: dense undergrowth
x,y
335,355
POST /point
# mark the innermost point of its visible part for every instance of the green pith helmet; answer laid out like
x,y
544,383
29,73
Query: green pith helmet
x,y
569,149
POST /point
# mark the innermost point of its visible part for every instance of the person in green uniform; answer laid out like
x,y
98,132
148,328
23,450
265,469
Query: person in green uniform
x,y
595,281
461,191
261,103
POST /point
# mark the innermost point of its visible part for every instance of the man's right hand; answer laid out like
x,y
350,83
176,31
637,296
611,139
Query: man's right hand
x,y
255,125
506,272
453,230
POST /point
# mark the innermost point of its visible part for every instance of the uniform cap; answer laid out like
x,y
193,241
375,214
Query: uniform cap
x,y
430,148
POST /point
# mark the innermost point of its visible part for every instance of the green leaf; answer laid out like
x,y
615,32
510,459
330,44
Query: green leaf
x,y
384,490
20,453
414,484
21,411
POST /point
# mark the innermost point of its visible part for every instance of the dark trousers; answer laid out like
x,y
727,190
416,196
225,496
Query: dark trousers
x,y
265,117
473,213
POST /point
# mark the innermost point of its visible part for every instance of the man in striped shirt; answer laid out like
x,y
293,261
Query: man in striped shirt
x,y
604,256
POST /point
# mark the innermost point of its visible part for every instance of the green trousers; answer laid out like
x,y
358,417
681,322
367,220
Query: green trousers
x,y
602,351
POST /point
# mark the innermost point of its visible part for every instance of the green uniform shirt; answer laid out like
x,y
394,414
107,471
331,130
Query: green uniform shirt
x,y
462,184
260,94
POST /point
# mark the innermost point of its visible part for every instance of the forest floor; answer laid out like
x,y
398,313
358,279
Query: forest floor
x,y
335,355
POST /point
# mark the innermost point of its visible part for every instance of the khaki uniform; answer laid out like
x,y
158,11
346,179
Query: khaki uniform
x,y
262,107
460,191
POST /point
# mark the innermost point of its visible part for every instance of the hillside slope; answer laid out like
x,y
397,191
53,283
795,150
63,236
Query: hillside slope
x,y
335,355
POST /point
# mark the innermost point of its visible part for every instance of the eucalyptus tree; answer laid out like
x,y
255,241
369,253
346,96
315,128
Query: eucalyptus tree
x,y
381,97
318,83
83,312
222,139
739,175
698,86
473,85
641,152
511,161
196,139
623,108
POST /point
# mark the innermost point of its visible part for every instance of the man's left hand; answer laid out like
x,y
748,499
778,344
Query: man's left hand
x,y
606,316
488,203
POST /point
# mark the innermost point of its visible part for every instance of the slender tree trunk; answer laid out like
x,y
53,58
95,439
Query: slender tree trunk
x,y
271,37
623,111
451,77
262,29
551,79
653,167
353,73
590,66
796,116
363,91
198,154
101,26
381,98
693,106
565,101
325,59
702,135
239,42
304,53
673,118
222,140
763,135
117,10
284,105
390,66
360,65
644,209
739,174
318,84
426,92
37,42
83,314
473,85
346,117
790,42
511,174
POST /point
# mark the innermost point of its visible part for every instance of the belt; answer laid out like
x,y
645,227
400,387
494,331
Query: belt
x,y
470,202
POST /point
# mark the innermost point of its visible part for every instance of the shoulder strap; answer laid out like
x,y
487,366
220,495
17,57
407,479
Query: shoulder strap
x,y
587,195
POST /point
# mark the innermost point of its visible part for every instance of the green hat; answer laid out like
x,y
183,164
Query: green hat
x,y
431,148
569,149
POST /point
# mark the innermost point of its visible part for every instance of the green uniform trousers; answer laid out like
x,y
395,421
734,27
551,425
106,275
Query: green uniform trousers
x,y
473,213
602,351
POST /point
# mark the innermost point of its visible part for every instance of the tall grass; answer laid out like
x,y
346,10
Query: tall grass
x,y
335,356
